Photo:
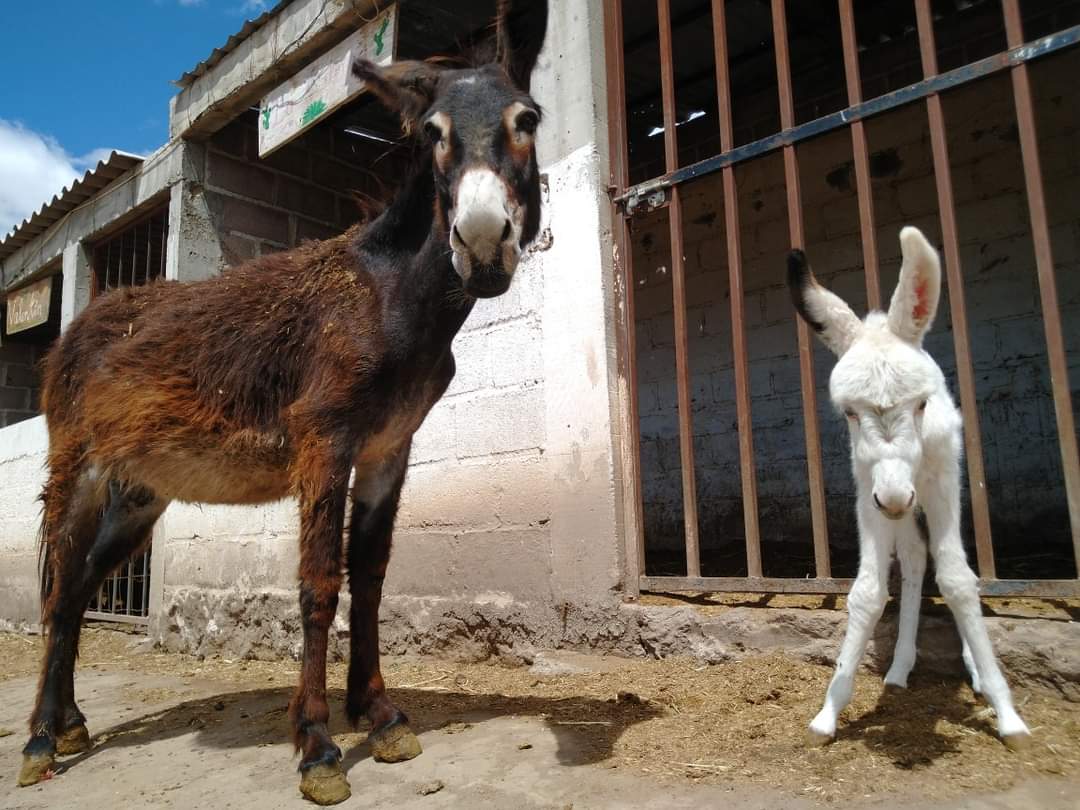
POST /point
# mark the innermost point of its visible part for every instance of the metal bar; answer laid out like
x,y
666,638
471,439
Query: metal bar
x,y
747,468
144,607
129,566
1043,588
980,508
815,480
114,581
966,74
625,324
97,615
134,251
746,584
146,274
1044,264
678,284
861,158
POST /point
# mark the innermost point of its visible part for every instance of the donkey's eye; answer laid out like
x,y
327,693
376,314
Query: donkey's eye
x,y
922,406
850,414
433,132
527,121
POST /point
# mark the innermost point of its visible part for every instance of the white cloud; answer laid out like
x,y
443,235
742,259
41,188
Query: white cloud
x,y
254,6
34,168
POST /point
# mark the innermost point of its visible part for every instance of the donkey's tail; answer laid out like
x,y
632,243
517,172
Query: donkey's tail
x,y
46,560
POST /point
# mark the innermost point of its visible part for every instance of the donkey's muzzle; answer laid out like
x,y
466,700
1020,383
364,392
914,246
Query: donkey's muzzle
x,y
487,281
894,508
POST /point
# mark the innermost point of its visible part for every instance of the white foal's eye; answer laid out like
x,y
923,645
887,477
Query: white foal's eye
x,y
922,406
850,414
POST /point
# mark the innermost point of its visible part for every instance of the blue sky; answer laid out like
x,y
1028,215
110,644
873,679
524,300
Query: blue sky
x,y
86,76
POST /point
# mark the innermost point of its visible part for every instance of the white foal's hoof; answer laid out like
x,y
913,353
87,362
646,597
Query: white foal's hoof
x,y
815,739
895,681
1014,732
822,731
1017,742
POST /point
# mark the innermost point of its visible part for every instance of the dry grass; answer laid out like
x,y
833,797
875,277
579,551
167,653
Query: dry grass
x,y
734,723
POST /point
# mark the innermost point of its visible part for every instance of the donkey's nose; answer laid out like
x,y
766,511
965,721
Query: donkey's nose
x,y
895,504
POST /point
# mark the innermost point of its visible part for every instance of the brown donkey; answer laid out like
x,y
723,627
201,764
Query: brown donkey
x,y
281,375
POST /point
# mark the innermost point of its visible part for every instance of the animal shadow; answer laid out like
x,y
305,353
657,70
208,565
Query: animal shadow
x,y
259,717
905,725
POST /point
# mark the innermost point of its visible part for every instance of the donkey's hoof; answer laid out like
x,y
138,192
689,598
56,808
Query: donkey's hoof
x,y
73,741
1017,742
394,743
325,784
35,768
816,739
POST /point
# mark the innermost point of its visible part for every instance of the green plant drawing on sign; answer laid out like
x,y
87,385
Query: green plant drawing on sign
x,y
313,111
266,117
379,35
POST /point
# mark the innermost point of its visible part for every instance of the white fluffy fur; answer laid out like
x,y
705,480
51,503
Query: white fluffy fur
x,y
906,446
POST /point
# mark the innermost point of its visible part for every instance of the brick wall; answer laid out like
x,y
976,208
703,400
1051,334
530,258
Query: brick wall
x,y
302,191
1015,408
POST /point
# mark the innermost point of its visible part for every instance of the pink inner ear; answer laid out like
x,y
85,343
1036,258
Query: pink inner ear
x,y
922,302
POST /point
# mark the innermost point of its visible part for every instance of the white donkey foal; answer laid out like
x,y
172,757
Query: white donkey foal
x,y
905,449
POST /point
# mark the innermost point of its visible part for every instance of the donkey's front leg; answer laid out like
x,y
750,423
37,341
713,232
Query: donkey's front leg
x,y
865,604
322,478
911,549
375,501
960,587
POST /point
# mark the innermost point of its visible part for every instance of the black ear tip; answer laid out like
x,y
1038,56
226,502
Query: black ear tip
x,y
363,68
799,279
798,269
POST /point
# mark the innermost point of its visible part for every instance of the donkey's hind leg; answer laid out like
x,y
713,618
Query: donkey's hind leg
x,y
98,535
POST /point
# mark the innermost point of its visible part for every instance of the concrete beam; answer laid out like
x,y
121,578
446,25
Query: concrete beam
x,y
302,31
124,199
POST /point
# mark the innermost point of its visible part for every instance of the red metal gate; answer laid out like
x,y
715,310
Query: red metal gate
x,y
665,191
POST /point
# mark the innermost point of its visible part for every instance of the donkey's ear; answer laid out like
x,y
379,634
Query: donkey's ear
x,y
915,301
824,311
520,26
407,88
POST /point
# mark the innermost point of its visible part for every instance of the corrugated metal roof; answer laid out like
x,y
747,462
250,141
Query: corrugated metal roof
x,y
68,199
249,28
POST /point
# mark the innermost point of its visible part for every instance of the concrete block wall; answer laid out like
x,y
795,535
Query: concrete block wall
x,y
22,470
1009,355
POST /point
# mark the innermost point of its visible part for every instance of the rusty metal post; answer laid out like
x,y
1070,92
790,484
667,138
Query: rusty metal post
x,y
822,565
861,158
619,178
1044,263
747,469
980,507
678,284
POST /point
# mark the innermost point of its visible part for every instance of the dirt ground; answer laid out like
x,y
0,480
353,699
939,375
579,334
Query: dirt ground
x,y
571,731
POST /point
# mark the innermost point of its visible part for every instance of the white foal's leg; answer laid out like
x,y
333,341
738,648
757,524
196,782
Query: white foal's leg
x,y
911,549
969,665
959,586
865,604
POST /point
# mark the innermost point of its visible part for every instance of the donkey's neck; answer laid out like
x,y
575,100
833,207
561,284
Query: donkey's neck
x,y
406,253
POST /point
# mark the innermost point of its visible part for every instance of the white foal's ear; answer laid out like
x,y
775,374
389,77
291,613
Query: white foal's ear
x,y
824,311
915,300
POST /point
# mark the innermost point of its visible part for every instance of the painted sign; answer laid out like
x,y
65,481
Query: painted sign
x,y
29,307
326,84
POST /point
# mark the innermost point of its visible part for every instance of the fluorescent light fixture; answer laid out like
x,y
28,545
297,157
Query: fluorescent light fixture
x,y
368,134
694,115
